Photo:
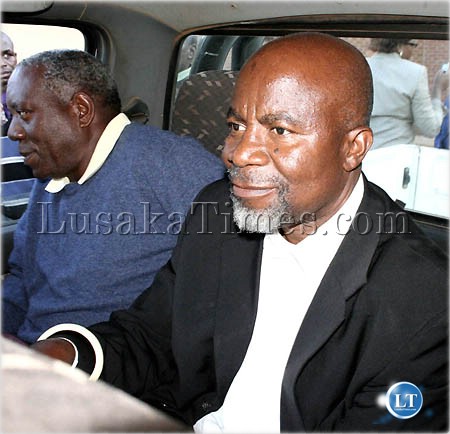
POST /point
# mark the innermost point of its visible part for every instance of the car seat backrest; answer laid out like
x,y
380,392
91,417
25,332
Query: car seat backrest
x,y
201,107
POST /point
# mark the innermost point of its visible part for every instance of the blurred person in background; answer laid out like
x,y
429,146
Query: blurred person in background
x,y
403,105
441,140
9,61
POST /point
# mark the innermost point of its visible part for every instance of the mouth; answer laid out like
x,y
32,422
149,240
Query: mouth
x,y
251,191
27,157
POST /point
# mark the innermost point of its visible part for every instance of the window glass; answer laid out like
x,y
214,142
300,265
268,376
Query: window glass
x,y
410,157
30,39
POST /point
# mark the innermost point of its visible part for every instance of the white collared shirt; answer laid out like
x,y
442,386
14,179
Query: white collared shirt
x,y
103,148
290,276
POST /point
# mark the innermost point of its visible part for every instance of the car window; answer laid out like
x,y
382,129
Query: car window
x,y
30,39
413,169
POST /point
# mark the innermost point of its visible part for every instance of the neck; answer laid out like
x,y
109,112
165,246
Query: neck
x,y
91,139
312,221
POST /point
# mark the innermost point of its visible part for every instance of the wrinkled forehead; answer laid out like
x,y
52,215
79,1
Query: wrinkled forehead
x,y
312,63
313,69
278,83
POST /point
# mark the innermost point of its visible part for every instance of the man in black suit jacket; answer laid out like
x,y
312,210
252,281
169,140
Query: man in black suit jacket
x,y
377,312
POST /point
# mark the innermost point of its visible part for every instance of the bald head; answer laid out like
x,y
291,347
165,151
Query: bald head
x,y
333,70
298,133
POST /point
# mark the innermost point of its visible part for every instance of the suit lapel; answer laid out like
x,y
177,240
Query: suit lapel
x,y
236,305
345,275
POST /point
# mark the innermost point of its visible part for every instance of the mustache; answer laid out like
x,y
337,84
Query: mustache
x,y
238,174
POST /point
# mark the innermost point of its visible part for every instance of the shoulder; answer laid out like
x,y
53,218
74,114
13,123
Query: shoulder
x,y
406,263
413,65
169,150
158,140
212,206
396,221
393,60
399,277
38,192
415,70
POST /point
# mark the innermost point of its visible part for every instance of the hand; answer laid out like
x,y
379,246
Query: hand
x,y
56,348
440,83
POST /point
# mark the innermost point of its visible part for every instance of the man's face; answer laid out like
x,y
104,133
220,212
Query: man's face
x,y
9,59
283,151
47,130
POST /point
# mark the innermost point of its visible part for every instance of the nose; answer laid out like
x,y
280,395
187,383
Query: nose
x,y
15,131
248,149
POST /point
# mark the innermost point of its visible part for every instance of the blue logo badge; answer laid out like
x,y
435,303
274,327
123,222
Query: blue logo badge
x,y
404,400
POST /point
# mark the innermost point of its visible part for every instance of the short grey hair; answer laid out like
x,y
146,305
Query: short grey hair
x,y
66,72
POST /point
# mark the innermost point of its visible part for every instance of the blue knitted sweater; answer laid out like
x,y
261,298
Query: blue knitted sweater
x,y
90,249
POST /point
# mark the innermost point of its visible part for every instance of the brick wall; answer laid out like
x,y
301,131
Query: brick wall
x,y
430,53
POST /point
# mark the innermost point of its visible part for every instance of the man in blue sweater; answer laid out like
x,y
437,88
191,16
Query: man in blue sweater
x,y
105,212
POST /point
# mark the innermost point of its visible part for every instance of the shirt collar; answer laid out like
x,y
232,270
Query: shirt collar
x,y
341,221
103,148
318,249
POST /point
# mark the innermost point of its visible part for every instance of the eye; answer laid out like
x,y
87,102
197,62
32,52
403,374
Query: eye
x,y
22,113
233,126
280,131
7,55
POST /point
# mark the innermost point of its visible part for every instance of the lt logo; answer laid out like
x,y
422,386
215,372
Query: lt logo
x,y
404,400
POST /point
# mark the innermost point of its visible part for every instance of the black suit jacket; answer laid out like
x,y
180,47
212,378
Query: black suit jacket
x,y
379,317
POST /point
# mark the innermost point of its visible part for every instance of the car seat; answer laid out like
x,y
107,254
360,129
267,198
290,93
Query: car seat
x,y
201,107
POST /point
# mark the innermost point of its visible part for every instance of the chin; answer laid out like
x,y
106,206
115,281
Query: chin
x,y
259,220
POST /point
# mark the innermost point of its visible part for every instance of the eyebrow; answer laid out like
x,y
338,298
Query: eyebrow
x,y
269,119
232,113
272,118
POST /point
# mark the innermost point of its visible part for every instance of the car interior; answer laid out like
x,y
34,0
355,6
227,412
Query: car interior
x,y
143,42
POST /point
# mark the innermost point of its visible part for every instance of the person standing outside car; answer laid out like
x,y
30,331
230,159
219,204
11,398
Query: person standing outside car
x,y
17,179
441,140
110,197
403,105
9,61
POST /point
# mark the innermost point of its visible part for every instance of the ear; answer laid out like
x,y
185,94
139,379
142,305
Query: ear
x,y
357,143
84,108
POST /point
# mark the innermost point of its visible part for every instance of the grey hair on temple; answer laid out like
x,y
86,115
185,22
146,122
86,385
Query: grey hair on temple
x,y
69,71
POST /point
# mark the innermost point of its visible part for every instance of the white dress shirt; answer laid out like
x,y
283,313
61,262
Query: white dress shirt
x,y
290,276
